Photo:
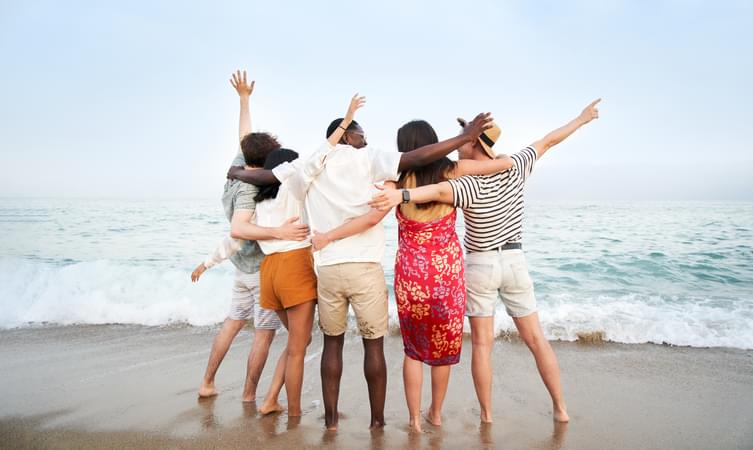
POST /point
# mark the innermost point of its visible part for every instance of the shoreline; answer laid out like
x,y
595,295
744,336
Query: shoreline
x,y
129,386
597,337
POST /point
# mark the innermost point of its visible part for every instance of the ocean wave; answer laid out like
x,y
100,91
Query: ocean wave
x,y
103,292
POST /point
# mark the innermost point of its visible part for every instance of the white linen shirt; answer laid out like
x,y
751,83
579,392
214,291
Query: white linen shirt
x,y
295,179
342,192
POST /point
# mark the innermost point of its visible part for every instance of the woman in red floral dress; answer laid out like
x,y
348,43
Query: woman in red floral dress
x,y
429,278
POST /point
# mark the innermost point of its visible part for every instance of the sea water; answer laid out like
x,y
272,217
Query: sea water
x,y
677,273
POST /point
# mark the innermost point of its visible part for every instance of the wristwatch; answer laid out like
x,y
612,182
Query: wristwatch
x,y
406,196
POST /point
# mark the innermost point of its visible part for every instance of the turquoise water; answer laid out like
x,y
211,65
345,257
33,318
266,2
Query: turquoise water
x,y
680,273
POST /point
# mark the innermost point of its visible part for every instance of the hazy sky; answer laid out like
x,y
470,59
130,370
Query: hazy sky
x,y
132,98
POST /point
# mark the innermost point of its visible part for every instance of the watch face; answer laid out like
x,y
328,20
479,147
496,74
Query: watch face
x,y
406,196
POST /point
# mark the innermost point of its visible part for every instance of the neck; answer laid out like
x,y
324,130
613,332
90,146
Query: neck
x,y
478,155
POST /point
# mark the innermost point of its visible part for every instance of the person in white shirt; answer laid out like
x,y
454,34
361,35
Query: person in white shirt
x,y
288,281
350,271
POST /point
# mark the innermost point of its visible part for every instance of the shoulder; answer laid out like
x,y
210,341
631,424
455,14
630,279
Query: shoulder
x,y
247,188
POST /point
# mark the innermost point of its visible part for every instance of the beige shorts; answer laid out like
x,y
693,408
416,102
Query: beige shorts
x,y
362,286
498,274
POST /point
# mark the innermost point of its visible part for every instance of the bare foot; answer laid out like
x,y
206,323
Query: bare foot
x,y
486,416
560,414
376,424
270,408
415,424
248,398
330,423
207,390
432,418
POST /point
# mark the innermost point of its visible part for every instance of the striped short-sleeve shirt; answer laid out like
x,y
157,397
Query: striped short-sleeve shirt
x,y
493,204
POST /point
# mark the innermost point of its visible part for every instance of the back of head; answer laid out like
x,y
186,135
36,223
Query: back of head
x,y
416,134
257,146
336,123
274,159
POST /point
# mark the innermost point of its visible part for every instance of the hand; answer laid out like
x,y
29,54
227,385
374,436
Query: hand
x,y
590,112
232,172
479,124
356,103
319,241
197,272
241,85
291,231
386,199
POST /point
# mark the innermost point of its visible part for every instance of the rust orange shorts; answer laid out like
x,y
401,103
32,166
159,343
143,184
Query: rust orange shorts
x,y
287,279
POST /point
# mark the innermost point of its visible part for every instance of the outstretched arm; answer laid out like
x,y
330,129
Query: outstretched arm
x,y
553,138
224,250
244,90
473,167
430,153
440,192
242,228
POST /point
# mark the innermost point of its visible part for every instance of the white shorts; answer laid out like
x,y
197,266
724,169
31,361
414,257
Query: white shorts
x,y
498,274
245,302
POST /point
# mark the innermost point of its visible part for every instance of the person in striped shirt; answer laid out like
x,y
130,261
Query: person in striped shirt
x,y
495,266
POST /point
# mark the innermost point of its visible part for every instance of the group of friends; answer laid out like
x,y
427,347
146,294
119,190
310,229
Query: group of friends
x,y
306,235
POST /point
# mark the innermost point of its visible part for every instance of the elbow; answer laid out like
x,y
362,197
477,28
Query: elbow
x,y
235,232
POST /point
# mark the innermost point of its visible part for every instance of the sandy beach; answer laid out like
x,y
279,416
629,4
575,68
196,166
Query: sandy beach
x,y
117,386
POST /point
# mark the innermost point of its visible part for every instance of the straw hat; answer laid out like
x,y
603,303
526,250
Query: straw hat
x,y
488,138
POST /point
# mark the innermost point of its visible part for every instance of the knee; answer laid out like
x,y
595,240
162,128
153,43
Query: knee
x,y
264,337
482,344
535,341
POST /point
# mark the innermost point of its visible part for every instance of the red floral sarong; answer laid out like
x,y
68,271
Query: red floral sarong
x,y
430,289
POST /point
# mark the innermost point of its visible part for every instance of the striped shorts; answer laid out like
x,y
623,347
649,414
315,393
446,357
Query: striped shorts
x,y
245,302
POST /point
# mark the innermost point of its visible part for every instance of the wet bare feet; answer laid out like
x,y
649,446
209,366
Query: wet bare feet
x,y
433,418
486,416
415,424
376,424
249,392
330,423
270,408
207,390
560,414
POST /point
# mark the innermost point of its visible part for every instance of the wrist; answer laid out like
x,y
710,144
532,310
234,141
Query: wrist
x,y
405,193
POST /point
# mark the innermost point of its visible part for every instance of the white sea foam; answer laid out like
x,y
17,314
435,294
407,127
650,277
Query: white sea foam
x,y
113,292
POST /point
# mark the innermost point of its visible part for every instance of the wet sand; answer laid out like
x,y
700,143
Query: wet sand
x,y
135,387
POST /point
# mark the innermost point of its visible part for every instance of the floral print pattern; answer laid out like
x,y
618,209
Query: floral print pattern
x,y
430,289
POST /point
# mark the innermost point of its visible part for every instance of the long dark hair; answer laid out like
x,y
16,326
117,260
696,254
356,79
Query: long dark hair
x,y
274,159
416,134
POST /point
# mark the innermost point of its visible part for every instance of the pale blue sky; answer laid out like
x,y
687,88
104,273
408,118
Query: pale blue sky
x,y
132,98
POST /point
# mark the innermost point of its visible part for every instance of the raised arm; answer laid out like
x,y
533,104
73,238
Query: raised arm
x,y
474,167
355,104
244,90
242,228
349,228
312,165
440,192
430,153
553,138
